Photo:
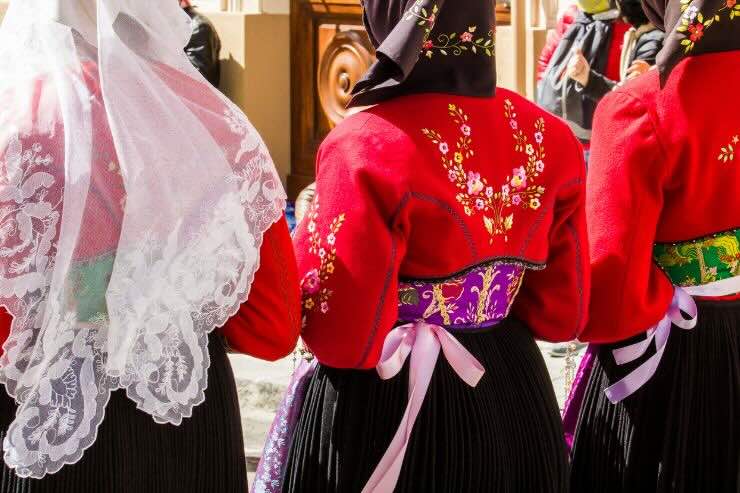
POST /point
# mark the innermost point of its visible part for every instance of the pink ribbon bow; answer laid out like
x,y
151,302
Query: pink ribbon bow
x,y
682,301
422,341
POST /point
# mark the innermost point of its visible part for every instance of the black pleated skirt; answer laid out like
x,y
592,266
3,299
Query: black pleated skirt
x,y
503,436
133,454
678,433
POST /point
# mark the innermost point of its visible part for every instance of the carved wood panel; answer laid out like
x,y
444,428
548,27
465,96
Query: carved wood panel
x,y
329,51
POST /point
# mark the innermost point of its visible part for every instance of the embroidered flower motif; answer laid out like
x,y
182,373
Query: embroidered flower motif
x,y
310,283
455,43
694,24
727,153
466,37
475,194
444,148
428,45
475,185
696,31
314,295
465,129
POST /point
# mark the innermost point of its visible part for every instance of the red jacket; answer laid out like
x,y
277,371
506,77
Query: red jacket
x,y
657,174
390,206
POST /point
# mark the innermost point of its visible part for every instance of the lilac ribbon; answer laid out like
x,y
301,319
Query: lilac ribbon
x,y
423,342
682,301
574,403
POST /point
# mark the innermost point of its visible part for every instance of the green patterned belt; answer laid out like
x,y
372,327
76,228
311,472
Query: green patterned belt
x,y
708,266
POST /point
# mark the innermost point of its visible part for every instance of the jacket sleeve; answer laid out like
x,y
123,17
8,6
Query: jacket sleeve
x,y
598,86
349,252
623,205
267,324
553,302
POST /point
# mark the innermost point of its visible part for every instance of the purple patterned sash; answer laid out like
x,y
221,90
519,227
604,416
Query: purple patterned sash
x,y
476,298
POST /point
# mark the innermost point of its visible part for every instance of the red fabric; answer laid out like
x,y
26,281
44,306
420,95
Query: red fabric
x,y
267,325
553,39
655,176
614,61
402,219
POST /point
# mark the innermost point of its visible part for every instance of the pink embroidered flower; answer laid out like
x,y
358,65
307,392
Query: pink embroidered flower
x,y
539,166
432,18
466,37
452,176
428,45
505,190
516,200
534,204
489,192
530,149
444,148
311,227
324,307
475,185
538,137
322,253
331,239
310,283
514,124
480,204
519,180
465,129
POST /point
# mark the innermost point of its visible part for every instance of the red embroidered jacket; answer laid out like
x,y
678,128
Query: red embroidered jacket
x,y
663,169
425,186
266,326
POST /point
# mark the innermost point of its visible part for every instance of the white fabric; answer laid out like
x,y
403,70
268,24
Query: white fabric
x,y
723,287
116,158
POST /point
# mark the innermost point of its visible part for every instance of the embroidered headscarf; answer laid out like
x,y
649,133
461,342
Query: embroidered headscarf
x,y
429,46
693,27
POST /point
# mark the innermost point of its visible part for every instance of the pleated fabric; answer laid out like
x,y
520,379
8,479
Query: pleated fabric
x,y
504,435
678,433
133,454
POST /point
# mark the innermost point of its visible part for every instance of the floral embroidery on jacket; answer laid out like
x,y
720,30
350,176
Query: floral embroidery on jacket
x,y
694,25
455,43
727,153
315,296
475,193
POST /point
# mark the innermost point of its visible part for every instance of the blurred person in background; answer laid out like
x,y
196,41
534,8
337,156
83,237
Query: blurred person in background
x,y
641,45
204,47
597,33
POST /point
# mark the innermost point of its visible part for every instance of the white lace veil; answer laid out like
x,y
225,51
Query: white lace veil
x,y
133,200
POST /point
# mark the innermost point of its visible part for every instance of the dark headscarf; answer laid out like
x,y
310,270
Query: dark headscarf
x,y
693,27
632,12
429,46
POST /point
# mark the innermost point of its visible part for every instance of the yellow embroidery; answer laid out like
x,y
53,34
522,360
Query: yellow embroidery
x,y
727,153
475,194
694,24
314,292
441,303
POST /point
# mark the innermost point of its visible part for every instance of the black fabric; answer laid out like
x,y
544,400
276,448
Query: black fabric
x,y
593,37
419,49
505,435
678,433
133,454
646,48
632,12
204,47
720,24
